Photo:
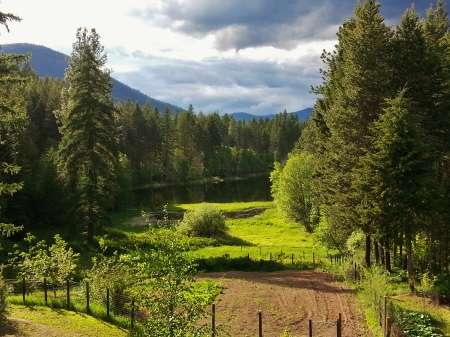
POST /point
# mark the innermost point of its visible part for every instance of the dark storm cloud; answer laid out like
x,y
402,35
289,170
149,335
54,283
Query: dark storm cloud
x,y
228,85
238,24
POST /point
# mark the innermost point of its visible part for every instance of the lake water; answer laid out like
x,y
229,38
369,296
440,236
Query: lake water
x,y
252,189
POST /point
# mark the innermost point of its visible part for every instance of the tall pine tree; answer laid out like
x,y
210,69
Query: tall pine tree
x,y
87,152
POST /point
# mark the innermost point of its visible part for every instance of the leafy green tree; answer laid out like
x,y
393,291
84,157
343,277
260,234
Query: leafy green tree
x,y
88,152
293,190
164,286
56,263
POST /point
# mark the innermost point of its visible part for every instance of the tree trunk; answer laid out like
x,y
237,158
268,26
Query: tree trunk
x,y
382,254
409,266
377,252
388,260
368,251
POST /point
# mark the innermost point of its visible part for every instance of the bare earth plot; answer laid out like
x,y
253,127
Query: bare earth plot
x,y
287,300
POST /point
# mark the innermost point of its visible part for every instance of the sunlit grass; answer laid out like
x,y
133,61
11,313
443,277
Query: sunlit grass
x,y
225,207
267,234
62,322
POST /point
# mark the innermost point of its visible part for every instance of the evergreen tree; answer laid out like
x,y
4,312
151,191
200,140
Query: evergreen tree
x,y
87,152
356,82
13,122
396,177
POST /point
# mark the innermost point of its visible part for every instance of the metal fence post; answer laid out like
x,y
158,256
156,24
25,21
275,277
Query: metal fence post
x,y
310,328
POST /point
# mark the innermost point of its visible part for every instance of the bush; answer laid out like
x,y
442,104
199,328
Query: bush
x,y
205,221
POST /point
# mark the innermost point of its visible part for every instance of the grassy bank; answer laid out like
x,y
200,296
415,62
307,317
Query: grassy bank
x,y
38,321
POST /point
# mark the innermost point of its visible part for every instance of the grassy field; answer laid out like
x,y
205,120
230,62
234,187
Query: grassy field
x,y
37,321
256,230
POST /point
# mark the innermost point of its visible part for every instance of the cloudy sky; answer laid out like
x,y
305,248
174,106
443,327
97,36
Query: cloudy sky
x,y
256,56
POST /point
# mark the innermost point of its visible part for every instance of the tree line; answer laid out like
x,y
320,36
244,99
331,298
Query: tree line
x,y
70,152
374,160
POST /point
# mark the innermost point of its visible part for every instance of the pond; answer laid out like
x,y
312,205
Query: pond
x,y
252,189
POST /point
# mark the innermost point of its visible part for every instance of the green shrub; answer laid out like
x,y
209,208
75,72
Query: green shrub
x,y
412,323
205,221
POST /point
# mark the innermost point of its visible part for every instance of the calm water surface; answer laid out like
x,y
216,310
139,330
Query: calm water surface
x,y
253,189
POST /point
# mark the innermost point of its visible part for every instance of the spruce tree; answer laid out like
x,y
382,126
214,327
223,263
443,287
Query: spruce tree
x,y
87,152
355,84
396,178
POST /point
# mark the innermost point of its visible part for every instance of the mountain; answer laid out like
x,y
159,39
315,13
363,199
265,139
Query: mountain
x,y
302,115
48,62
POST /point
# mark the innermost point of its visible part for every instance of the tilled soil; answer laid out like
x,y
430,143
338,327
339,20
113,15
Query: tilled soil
x,y
287,300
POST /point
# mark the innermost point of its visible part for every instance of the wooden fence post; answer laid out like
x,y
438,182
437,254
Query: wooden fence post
x,y
24,289
292,258
310,328
87,297
338,326
107,303
270,256
45,290
213,317
132,313
68,294
260,323
388,328
314,261
385,316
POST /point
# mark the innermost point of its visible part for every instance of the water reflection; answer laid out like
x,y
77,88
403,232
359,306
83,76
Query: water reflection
x,y
253,189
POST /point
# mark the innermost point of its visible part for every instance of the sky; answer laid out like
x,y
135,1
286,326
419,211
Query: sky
x,y
254,56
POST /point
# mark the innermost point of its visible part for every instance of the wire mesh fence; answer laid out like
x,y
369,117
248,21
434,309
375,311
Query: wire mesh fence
x,y
107,304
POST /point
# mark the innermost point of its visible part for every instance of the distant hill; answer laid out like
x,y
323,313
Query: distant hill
x,y
303,115
47,62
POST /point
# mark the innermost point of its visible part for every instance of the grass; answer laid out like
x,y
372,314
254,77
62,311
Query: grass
x,y
225,207
263,235
35,321
266,237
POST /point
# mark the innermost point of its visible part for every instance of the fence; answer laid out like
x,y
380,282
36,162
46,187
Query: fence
x,y
105,304
269,261
114,306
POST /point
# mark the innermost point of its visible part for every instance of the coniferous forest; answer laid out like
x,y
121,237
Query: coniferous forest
x,y
378,141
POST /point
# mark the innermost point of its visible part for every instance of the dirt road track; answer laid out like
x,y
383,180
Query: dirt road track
x,y
287,300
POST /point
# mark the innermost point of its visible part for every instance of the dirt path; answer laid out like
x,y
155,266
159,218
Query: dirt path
x,y
287,300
